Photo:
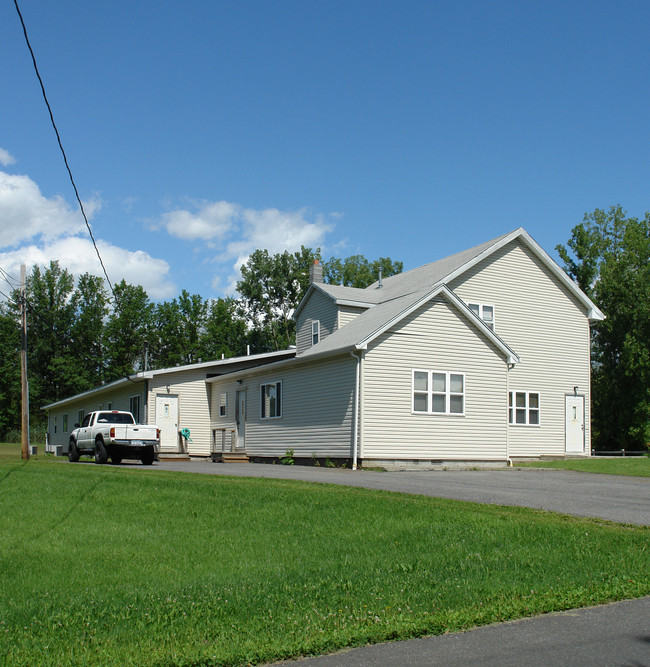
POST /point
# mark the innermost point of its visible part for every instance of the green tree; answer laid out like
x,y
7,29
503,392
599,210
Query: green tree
x,y
10,408
129,328
90,304
609,258
52,366
357,271
271,288
225,331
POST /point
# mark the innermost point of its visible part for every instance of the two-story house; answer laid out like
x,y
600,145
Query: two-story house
x,y
481,356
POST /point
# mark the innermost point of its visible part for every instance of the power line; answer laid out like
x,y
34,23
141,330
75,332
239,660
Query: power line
x,y
65,159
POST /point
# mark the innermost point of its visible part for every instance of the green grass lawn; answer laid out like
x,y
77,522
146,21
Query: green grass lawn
x,y
119,566
637,466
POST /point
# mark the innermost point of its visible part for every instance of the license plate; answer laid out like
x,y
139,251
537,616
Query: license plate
x,y
137,442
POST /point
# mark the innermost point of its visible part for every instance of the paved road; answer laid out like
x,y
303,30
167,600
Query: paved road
x,y
612,497
606,636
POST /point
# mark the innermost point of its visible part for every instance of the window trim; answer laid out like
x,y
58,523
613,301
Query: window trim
x,y
223,403
315,332
276,384
491,325
430,393
512,408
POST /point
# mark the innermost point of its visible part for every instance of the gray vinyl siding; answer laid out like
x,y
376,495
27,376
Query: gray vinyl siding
x,y
434,337
317,410
319,307
347,314
549,330
193,405
119,399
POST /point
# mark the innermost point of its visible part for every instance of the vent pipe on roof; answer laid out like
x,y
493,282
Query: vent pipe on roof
x,y
380,283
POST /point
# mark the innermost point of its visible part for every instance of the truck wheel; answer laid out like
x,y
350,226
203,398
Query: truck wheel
x,y
116,458
101,456
148,457
73,452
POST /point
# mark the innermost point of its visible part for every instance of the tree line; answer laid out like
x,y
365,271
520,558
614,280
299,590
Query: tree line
x,y
80,335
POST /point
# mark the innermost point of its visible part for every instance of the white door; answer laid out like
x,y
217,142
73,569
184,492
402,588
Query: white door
x,y
167,422
240,417
574,414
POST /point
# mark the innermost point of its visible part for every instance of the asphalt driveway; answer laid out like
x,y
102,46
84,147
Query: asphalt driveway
x,y
611,497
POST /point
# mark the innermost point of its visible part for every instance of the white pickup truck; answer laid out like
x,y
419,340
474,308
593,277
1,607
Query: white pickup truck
x,y
113,433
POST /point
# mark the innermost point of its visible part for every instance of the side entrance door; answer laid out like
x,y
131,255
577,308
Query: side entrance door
x,y
167,422
574,415
240,418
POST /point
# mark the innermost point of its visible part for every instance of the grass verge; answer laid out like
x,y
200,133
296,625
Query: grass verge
x,y
118,566
638,466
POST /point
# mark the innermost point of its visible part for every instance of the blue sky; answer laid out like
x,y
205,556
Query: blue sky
x,y
199,131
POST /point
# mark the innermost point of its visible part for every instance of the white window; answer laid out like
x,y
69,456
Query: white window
x,y
438,392
271,395
485,312
65,423
223,404
134,408
523,408
315,332
56,419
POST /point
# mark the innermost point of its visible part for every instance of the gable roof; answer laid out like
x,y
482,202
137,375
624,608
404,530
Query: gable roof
x,y
219,366
366,327
444,271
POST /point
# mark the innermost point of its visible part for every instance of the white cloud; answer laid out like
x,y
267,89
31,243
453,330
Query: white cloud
x,y
6,158
78,256
241,230
25,213
212,221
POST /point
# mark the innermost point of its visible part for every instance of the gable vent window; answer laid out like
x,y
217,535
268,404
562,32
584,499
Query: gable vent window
x,y
486,313
315,332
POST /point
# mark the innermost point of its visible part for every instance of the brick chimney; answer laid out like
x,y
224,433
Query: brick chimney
x,y
316,272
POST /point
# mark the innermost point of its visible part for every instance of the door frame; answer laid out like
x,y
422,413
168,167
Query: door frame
x,y
175,448
240,422
567,398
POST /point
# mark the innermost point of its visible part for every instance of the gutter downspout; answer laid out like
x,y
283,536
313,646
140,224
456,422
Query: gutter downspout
x,y
508,367
355,440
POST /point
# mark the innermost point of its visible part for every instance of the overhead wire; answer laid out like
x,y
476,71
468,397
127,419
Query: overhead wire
x,y
65,159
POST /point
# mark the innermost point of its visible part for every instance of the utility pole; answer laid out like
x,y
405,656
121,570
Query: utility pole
x,y
23,364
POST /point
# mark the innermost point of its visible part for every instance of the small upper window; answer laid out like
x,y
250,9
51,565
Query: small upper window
x,y
223,404
271,395
315,332
523,408
486,313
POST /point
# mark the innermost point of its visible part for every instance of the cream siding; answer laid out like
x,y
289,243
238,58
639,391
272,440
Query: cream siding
x,y
317,410
434,337
347,313
118,397
319,307
193,405
549,330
